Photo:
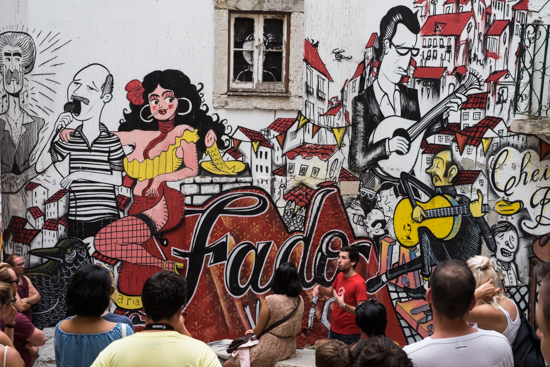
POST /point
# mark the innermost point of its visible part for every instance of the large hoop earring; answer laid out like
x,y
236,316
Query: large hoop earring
x,y
141,114
190,107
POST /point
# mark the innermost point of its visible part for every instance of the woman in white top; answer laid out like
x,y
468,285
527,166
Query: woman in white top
x,y
493,310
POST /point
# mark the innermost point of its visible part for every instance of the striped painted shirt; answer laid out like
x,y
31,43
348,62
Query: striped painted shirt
x,y
89,200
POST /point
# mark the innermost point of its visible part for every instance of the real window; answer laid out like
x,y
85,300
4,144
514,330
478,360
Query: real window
x,y
258,53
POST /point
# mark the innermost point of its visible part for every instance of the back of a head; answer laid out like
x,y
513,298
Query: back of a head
x,y
163,294
452,288
286,280
371,317
331,353
5,293
378,352
5,275
89,290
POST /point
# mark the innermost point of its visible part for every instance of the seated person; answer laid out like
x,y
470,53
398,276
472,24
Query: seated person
x,y
371,317
80,338
27,295
378,351
331,353
494,311
8,354
26,338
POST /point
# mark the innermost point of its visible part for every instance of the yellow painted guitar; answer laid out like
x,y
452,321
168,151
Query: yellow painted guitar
x,y
443,217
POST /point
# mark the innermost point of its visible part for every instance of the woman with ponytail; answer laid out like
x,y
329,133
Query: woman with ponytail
x,y
493,310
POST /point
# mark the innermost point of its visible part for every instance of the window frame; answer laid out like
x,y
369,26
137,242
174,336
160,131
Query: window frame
x,y
257,85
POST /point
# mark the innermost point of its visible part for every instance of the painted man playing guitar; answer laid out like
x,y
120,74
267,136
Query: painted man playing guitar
x,y
466,241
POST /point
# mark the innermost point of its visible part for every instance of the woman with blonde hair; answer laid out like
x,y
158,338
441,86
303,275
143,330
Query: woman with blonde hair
x,y
493,310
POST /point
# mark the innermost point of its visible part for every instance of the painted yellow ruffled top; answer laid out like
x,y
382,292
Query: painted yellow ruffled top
x,y
165,162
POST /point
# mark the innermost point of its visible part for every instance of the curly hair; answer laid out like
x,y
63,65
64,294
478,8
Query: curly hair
x,y
198,117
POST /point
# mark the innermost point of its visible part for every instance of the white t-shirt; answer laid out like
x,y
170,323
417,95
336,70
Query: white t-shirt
x,y
484,348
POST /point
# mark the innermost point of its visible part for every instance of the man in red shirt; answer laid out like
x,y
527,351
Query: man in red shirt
x,y
348,290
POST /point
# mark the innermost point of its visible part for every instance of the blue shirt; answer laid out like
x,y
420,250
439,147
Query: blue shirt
x,y
80,350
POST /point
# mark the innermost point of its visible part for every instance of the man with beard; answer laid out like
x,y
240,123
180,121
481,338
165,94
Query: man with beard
x,y
19,131
348,290
95,154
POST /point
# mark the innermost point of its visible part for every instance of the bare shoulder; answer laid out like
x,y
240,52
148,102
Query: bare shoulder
x,y
13,358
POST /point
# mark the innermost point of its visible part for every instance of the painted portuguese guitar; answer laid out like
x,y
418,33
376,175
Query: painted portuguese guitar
x,y
414,130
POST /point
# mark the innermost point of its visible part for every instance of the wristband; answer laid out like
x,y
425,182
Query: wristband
x,y
10,326
343,306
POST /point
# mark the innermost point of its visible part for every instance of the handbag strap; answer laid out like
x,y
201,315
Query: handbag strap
x,y
281,321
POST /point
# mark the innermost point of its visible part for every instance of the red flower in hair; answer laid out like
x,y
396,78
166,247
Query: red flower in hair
x,y
135,92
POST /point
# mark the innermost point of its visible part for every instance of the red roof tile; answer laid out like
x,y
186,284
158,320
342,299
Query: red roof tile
x,y
333,111
301,195
281,125
372,39
255,136
104,258
496,75
308,151
281,171
490,122
451,129
522,5
498,27
50,225
234,153
429,72
36,212
446,24
462,70
346,175
476,100
64,221
311,56
359,70
57,196
26,236
16,223
31,186
466,177
435,148
493,55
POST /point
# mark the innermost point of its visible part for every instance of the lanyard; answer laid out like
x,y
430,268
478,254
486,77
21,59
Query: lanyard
x,y
158,327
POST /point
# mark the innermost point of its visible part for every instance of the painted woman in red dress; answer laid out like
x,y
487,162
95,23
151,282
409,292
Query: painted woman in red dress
x,y
168,129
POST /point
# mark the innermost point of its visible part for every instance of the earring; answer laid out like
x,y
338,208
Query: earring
x,y
190,107
141,114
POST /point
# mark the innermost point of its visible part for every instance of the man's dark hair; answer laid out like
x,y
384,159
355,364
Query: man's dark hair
x,y
452,286
371,317
378,351
286,281
388,26
163,294
353,254
11,259
89,291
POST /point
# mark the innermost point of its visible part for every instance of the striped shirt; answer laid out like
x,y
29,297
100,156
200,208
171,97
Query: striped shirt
x,y
89,200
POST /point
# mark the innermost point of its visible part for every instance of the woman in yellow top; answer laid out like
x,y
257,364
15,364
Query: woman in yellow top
x,y
169,130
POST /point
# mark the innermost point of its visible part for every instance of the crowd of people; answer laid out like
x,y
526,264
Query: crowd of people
x,y
474,323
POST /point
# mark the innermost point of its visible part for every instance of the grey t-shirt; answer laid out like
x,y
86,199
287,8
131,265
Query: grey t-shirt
x,y
484,348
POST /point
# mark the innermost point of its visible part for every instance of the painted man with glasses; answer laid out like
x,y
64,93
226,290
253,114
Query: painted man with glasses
x,y
387,96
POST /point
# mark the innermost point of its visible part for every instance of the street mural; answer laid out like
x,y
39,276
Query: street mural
x,y
419,131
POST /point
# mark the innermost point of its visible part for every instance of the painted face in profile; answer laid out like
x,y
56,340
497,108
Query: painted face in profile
x,y
163,104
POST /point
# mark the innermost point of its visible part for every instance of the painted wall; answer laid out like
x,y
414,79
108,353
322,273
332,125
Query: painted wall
x,y
234,192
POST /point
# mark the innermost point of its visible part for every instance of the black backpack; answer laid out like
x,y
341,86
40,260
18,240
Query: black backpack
x,y
526,347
